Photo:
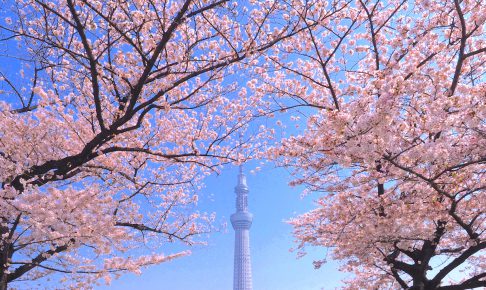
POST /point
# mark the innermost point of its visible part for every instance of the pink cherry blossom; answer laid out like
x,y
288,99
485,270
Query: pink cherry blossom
x,y
395,142
113,113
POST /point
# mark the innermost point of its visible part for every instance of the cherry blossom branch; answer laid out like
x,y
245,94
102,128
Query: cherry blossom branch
x,y
92,64
428,180
470,283
18,272
473,53
137,89
373,33
144,228
456,263
399,279
462,48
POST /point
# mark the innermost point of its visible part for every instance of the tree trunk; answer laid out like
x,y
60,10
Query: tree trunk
x,y
4,255
3,270
3,281
418,286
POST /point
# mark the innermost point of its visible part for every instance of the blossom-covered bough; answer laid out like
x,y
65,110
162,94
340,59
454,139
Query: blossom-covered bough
x,y
395,139
110,113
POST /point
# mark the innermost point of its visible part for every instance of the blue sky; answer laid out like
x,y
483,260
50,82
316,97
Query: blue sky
x,y
210,267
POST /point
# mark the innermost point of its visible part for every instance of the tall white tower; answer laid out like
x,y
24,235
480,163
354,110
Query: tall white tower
x,y
241,221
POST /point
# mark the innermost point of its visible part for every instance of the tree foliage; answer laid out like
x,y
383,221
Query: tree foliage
x,y
111,113
395,138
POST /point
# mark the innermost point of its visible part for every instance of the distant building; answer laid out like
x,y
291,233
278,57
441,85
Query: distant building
x,y
241,221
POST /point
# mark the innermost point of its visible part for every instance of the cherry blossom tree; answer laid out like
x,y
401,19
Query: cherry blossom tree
x,y
111,113
394,98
